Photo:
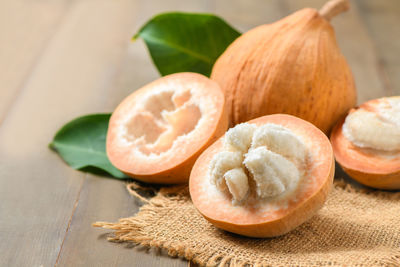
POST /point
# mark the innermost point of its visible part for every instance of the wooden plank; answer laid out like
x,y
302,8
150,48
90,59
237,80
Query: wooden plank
x,y
382,19
38,191
25,28
31,228
104,199
88,66
87,246
245,15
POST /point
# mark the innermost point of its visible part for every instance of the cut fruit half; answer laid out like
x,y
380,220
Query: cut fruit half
x,y
366,143
157,133
264,177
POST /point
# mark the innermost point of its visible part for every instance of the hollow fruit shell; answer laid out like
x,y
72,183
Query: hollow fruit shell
x,y
175,166
293,66
253,221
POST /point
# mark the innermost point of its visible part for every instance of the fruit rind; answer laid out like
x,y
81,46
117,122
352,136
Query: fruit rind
x,y
375,125
267,223
253,72
167,168
371,167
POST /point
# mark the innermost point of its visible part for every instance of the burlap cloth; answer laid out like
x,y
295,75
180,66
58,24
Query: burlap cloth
x,y
355,228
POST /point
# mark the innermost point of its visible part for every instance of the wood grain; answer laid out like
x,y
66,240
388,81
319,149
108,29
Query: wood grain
x,y
382,19
85,245
71,78
245,15
25,29
36,197
60,59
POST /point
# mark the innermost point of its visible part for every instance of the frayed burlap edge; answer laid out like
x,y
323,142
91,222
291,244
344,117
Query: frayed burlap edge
x,y
132,229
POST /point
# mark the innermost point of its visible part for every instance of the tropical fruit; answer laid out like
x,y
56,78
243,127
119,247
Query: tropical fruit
x,y
366,143
156,133
293,66
264,177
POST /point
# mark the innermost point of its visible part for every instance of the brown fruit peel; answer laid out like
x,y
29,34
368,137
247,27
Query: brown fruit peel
x,y
253,72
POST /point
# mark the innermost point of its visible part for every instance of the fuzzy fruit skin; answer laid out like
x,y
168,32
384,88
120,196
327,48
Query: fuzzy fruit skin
x,y
293,66
366,169
267,228
158,173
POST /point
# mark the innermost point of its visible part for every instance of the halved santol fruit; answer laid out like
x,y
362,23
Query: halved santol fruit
x,y
264,177
157,133
367,143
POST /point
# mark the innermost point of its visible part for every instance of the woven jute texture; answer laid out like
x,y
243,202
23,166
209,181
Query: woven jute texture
x,y
355,228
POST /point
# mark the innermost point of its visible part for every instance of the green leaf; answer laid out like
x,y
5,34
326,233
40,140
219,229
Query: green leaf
x,y
82,144
186,42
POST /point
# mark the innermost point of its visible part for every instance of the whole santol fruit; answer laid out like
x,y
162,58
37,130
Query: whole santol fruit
x,y
156,134
367,143
264,177
292,66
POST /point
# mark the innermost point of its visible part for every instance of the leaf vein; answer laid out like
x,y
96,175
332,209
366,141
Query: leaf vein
x,y
201,57
77,148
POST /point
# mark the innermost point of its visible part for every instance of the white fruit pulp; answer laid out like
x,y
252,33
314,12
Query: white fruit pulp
x,y
377,128
164,121
265,161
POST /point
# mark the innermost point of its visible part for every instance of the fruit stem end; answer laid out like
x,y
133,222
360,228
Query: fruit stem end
x,y
333,8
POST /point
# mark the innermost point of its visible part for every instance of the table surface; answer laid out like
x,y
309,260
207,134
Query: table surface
x,y
60,59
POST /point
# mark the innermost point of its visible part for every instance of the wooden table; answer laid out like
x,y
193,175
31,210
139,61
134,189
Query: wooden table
x,y
60,59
